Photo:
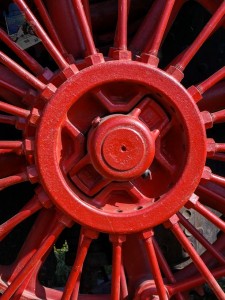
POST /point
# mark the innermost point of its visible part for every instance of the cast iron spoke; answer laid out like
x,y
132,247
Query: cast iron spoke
x,y
166,268
21,72
201,38
5,119
86,239
121,34
205,212
199,237
13,88
28,60
14,110
154,45
49,45
161,291
86,5
195,281
200,265
117,241
49,240
50,27
13,146
12,180
29,209
85,28
218,116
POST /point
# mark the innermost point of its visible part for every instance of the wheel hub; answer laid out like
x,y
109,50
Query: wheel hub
x,y
121,147
104,189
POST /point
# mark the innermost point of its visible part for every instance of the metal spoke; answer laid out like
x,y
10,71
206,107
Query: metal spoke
x,y
85,28
87,237
30,208
202,37
201,238
57,56
28,60
13,88
200,265
117,242
154,45
161,291
4,119
121,34
165,268
50,26
47,243
14,146
12,180
195,204
14,110
21,72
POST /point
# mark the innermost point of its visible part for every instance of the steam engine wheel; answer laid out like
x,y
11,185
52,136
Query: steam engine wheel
x,y
108,129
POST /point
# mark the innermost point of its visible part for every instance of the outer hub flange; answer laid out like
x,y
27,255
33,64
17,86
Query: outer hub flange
x,y
173,97
121,147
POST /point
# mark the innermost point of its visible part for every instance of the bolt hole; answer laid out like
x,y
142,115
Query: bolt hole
x,y
139,207
123,148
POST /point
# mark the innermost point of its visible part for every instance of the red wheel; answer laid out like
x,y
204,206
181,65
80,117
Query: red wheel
x,y
116,142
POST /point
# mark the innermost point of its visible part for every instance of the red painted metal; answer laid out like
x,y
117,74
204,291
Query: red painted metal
x,y
115,144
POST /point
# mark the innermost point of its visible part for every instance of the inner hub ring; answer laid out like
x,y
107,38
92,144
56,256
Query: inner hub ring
x,y
59,188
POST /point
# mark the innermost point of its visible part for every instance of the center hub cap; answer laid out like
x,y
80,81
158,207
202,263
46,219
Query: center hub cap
x,y
121,147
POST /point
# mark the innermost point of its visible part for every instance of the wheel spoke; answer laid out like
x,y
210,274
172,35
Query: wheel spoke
x,y
50,26
123,280
87,11
13,88
211,81
28,60
208,214
199,90
10,120
202,37
143,38
14,110
218,156
165,268
208,276
85,28
195,281
117,242
48,242
13,146
210,196
57,56
12,180
21,72
87,237
219,116
121,34
201,238
29,209
161,291
220,180
154,45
